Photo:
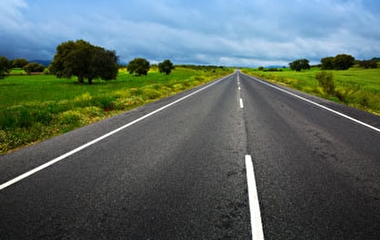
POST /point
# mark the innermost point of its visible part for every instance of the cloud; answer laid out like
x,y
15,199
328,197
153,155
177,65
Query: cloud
x,y
11,14
255,32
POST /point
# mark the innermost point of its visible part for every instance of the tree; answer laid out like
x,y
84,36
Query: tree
x,y
33,67
327,63
139,66
166,67
343,61
19,62
5,66
299,65
103,65
368,64
84,60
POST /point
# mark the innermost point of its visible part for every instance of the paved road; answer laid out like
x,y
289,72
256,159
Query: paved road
x,y
180,173
318,174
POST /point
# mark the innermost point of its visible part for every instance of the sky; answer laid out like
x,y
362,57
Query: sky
x,y
248,33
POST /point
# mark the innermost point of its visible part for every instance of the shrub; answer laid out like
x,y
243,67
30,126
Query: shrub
x,y
272,70
347,89
150,94
33,67
326,81
368,64
71,117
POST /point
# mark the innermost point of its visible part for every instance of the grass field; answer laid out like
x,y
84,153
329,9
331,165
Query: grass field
x,y
365,81
38,107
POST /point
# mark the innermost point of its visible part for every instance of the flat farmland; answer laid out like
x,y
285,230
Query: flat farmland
x,y
38,107
360,87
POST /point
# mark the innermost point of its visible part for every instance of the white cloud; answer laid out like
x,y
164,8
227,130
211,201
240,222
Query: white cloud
x,y
11,14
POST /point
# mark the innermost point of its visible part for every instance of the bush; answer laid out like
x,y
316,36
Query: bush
x,y
33,67
272,70
326,81
346,90
368,64
139,66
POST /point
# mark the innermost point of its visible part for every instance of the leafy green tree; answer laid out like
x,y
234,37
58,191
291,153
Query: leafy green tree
x,y
166,67
138,66
343,61
33,67
103,65
19,62
84,60
299,65
327,63
5,66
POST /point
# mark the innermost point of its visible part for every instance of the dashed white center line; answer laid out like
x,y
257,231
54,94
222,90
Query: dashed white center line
x,y
254,206
239,89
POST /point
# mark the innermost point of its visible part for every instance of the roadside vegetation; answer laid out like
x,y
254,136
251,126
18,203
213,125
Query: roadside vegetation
x,y
36,104
357,86
39,106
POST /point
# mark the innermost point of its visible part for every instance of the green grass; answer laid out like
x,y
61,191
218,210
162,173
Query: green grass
x,y
37,107
17,71
366,98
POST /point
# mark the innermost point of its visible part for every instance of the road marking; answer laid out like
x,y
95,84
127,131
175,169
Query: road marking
x,y
254,206
78,149
319,105
241,103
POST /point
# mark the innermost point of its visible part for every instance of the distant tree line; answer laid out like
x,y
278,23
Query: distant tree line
x,y
86,61
339,62
30,67
373,63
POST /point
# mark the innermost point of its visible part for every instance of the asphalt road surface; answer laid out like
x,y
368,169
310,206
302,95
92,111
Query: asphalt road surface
x,y
176,169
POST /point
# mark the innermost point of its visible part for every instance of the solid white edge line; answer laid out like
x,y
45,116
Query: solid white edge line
x,y
254,206
72,152
319,105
